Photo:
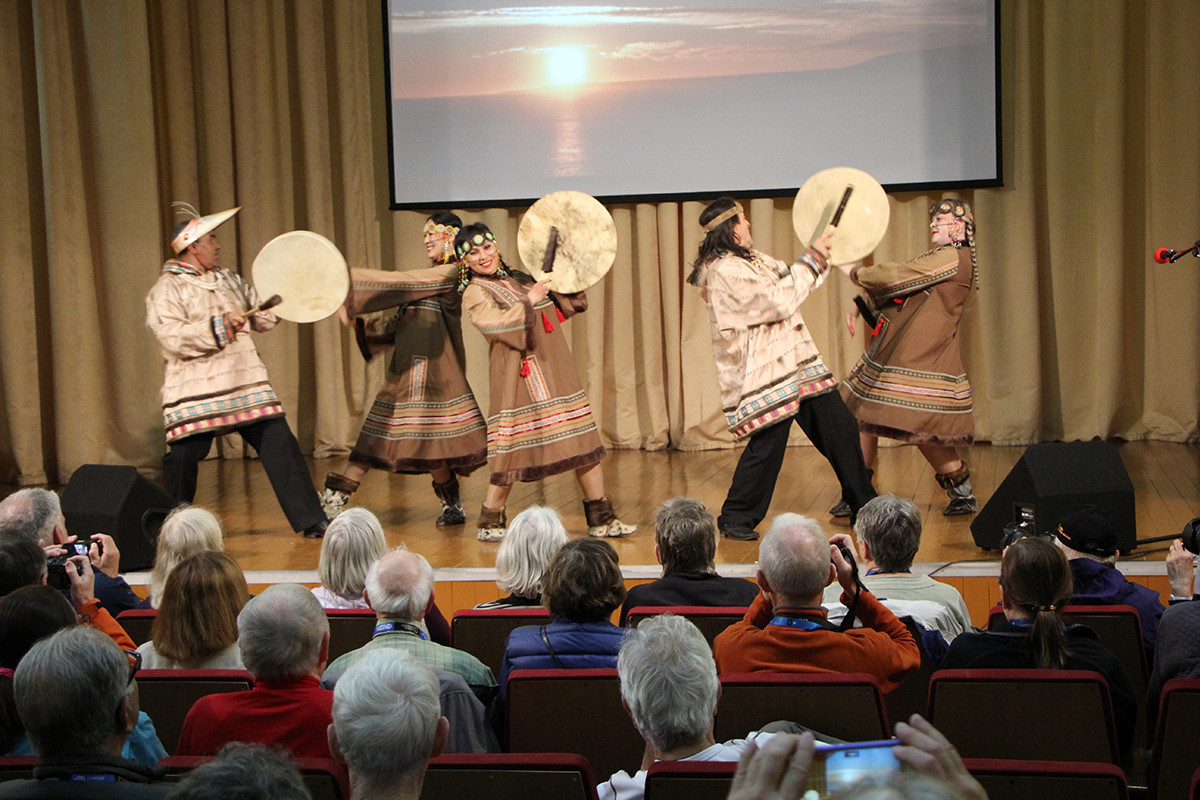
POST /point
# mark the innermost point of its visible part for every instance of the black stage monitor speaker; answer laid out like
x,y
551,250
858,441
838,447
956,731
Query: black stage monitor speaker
x,y
1050,480
118,501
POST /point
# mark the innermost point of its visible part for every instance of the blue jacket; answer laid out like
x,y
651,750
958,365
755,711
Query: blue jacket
x,y
578,645
1100,584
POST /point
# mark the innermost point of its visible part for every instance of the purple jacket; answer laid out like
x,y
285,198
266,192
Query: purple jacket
x,y
1100,584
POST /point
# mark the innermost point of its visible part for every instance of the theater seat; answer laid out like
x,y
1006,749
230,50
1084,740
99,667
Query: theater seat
x,y
693,780
848,706
325,778
167,695
483,632
711,620
510,776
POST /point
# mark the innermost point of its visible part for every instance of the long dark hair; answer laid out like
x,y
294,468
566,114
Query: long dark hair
x,y
719,240
1036,578
27,616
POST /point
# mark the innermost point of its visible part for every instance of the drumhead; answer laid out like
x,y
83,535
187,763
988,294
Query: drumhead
x,y
587,240
307,271
863,223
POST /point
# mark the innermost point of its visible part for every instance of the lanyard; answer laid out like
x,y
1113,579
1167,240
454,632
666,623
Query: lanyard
x,y
399,627
796,622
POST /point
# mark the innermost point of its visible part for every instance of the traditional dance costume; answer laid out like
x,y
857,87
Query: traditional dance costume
x,y
216,383
910,384
425,416
770,374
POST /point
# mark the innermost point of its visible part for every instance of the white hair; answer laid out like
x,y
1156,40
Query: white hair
x,y
794,556
533,538
68,688
353,542
31,514
186,531
668,681
385,715
394,591
280,633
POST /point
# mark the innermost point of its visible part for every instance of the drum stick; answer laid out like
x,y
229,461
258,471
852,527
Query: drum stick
x,y
265,305
551,250
837,215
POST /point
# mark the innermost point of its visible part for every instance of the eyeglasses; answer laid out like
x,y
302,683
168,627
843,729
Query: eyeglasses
x,y
135,663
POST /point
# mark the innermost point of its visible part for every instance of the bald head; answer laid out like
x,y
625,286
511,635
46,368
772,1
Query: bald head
x,y
794,560
400,584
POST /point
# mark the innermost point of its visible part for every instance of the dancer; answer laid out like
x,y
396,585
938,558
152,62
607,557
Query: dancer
x,y
424,419
768,366
540,422
910,384
215,381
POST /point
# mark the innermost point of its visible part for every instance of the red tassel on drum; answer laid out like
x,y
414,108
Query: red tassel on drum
x,y
525,368
558,311
878,327
547,324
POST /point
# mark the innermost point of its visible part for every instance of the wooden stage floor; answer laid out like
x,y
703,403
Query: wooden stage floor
x,y
1166,479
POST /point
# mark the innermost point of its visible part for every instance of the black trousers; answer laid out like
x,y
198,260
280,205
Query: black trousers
x,y
833,431
281,458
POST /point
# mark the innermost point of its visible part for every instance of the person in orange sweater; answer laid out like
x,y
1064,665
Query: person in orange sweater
x,y
785,628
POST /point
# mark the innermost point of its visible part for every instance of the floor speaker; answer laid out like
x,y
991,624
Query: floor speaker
x,y
1050,480
118,501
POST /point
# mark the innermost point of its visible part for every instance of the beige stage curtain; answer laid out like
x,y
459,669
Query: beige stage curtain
x,y
113,109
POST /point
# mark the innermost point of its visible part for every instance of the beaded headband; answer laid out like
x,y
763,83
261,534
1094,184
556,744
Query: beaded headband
x,y
448,231
724,215
465,247
958,208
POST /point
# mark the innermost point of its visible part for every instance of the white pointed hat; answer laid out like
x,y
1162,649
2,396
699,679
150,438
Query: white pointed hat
x,y
198,225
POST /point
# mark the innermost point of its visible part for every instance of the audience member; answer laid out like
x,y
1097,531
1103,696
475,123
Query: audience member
x,y
533,538
283,636
196,626
779,769
387,725
581,589
1177,651
76,695
685,543
27,616
186,531
36,515
889,535
1035,583
786,630
1089,537
400,591
353,542
244,772
21,563
669,687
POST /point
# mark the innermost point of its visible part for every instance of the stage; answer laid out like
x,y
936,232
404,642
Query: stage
x,y
1165,476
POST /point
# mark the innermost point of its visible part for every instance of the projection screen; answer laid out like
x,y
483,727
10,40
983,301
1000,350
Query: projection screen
x,y
495,104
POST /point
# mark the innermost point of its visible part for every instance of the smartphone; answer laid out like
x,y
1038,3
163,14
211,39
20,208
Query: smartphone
x,y
836,766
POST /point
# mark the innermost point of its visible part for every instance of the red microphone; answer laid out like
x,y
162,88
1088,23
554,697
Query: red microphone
x,y
1165,255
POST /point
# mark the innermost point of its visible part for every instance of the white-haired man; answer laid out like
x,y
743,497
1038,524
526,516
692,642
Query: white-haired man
x,y
400,591
669,687
283,636
76,696
386,726
36,515
786,629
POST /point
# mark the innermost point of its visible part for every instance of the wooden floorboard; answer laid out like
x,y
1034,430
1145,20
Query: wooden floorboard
x,y
1166,477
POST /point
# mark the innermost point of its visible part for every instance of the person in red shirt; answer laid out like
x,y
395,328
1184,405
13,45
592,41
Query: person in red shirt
x,y
785,628
283,636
